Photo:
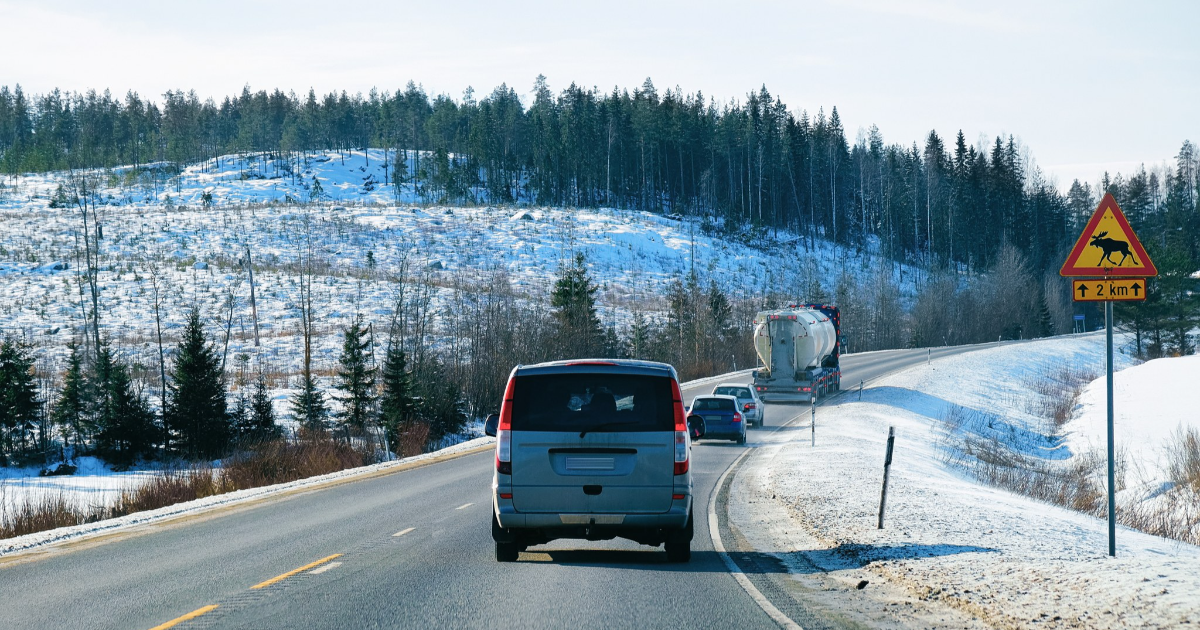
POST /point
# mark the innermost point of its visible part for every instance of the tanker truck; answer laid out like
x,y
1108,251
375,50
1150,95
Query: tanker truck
x,y
799,347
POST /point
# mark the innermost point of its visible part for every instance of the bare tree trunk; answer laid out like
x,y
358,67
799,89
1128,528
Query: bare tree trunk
x,y
253,304
162,367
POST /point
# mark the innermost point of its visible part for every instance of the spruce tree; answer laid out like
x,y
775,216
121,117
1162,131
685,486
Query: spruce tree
x,y
356,377
196,408
574,302
19,406
396,403
308,405
126,424
71,410
261,424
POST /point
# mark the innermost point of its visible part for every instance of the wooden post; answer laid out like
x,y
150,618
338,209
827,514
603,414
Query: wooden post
x,y
860,387
887,466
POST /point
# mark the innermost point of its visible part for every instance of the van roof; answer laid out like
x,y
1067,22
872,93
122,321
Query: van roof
x,y
615,366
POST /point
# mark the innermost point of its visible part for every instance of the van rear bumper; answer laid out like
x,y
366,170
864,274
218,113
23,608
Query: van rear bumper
x,y
674,518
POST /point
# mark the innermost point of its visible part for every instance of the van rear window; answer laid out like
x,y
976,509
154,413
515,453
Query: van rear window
x,y
594,402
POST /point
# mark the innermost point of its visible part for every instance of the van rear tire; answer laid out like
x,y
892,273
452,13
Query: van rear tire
x,y
679,551
507,552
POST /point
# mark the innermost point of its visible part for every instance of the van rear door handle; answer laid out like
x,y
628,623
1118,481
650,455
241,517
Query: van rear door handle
x,y
592,491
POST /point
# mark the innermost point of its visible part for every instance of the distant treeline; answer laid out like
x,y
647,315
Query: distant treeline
x,y
947,203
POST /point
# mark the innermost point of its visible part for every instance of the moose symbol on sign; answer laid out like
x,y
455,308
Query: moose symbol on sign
x,y
1110,245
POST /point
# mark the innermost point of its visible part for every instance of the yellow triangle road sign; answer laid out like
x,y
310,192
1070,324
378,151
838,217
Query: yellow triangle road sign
x,y
1108,247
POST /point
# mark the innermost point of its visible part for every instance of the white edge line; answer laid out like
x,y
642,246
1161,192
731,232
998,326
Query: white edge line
x,y
714,531
325,567
403,532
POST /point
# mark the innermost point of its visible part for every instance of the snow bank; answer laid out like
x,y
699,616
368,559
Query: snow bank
x,y
999,557
1152,402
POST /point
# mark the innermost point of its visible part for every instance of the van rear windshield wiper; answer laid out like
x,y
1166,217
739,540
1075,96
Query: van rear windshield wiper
x,y
606,425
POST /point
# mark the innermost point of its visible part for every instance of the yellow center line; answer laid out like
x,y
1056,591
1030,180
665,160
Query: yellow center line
x,y
192,615
280,578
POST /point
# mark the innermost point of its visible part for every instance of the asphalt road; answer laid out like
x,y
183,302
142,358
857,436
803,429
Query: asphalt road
x,y
413,549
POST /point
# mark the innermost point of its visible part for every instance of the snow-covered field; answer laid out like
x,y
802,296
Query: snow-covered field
x,y
197,249
978,553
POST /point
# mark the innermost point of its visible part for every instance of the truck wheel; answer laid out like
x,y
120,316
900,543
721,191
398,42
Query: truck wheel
x,y
506,552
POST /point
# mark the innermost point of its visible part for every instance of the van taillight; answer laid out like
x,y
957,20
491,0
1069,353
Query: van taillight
x,y
681,452
681,431
504,432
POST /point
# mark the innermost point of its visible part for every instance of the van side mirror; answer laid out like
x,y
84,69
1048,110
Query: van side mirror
x,y
696,427
490,425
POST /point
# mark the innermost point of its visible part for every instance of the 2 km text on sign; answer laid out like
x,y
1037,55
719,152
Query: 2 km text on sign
x,y
1116,289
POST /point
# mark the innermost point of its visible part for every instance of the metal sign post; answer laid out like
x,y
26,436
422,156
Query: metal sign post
x,y
1112,476
813,408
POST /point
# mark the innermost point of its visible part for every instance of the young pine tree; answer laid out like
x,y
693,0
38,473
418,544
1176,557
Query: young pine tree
x,y
396,403
574,302
72,409
308,406
19,406
356,377
261,420
125,423
196,405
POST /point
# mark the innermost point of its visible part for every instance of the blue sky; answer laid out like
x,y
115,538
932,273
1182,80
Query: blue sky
x,y
1087,86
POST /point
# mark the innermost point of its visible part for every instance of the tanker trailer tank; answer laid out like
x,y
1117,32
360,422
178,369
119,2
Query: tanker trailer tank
x,y
794,345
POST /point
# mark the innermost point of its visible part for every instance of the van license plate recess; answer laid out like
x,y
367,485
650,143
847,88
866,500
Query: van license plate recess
x,y
590,463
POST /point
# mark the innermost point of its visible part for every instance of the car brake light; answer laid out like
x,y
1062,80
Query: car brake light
x,y
749,406
505,495
737,417
504,432
804,389
676,497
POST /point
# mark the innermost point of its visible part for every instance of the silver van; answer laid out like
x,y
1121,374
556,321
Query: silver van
x,y
592,449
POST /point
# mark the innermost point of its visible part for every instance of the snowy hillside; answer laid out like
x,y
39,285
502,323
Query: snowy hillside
x,y
197,248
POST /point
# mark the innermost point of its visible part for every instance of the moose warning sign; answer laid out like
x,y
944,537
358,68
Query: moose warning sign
x,y
1108,247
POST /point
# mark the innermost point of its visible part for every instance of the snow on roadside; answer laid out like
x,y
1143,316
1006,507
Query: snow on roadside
x,y
1003,558
1151,403
93,484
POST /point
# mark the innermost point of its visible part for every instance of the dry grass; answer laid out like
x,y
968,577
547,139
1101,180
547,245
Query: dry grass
x,y
36,515
1056,389
264,464
1080,483
1076,483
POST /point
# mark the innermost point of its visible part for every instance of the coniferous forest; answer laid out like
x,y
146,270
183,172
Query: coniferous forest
x,y
943,201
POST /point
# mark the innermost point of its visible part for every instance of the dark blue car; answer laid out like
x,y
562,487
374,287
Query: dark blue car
x,y
722,419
